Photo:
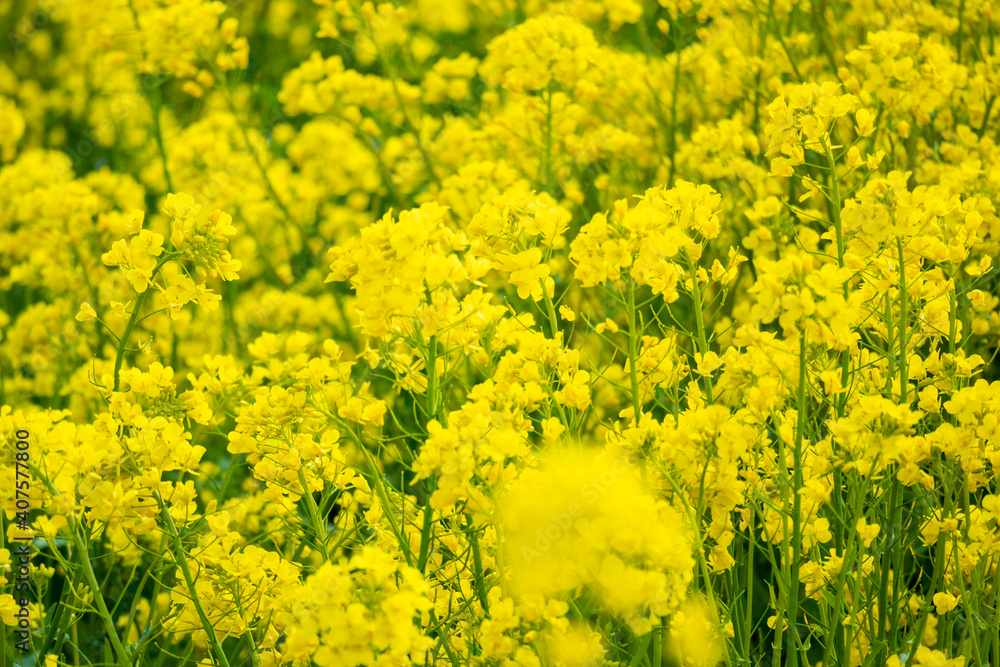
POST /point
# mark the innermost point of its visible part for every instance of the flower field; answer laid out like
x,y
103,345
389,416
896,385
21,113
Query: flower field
x,y
500,333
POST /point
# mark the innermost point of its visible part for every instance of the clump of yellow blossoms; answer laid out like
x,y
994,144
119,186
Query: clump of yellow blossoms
x,y
581,521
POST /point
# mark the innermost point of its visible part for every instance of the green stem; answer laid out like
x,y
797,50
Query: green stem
x,y
890,345
784,581
986,116
883,591
431,395
319,527
939,567
640,653
952,313
699,320
701,563
750,580
120,356
793,582
996,619
550,310
379,482
966,605
123,343
897,570
835,202
425,534
56,630
658,644
904,378
836,634
633,351
88,571
433,407
182,562
477,564
835,205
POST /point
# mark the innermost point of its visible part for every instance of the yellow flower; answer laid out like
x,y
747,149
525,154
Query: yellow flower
x,y
133,223
607,325
118,255
927,657
772,622
8,607
865,122
327,29
527,273
945,602
867,532
575,394
566,525
695,635
87,313
118,309
552,428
